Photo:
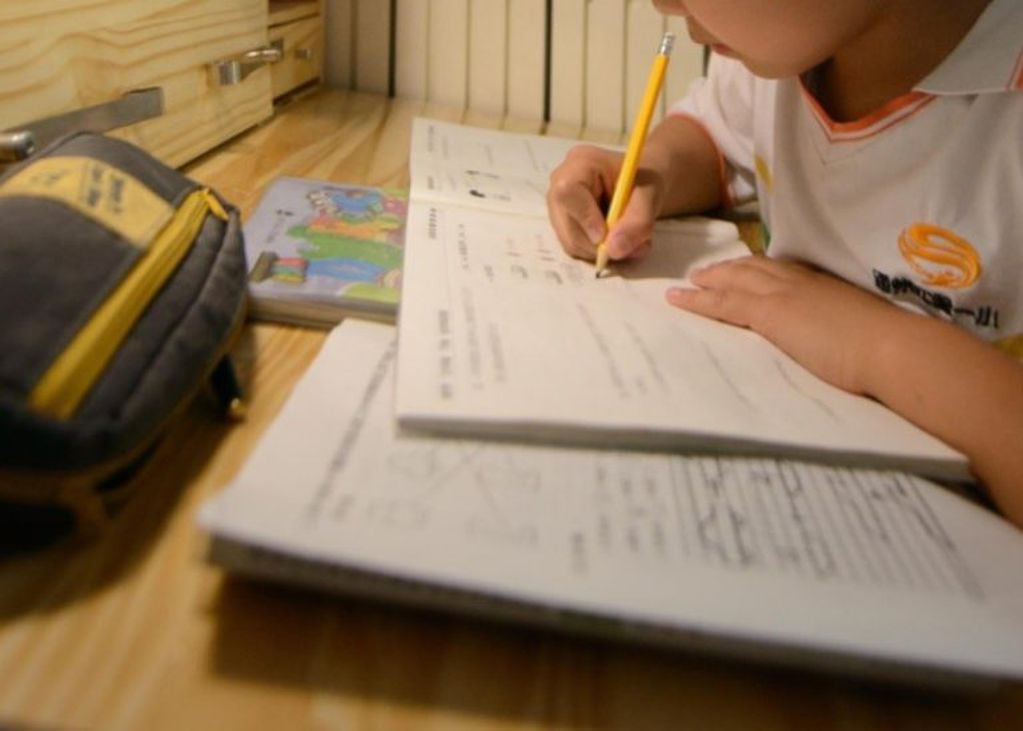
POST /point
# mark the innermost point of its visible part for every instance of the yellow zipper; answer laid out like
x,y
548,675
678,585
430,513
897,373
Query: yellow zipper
x,y
70,377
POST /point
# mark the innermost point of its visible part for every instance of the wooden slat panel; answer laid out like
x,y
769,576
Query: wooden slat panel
x,y
488,56
527,20
686,62
448,49
605,65
60,55
412,46
339,26
372,42
568,63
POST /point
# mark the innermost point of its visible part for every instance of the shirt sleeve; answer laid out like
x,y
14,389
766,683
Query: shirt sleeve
x,y
723,104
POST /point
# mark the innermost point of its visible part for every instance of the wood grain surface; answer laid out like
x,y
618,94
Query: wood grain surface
x,y
136,631
57,56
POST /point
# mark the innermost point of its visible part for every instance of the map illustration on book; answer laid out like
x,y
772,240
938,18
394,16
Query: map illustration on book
x,y
319,251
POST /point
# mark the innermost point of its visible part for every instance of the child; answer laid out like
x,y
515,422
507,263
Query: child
x,y
883,140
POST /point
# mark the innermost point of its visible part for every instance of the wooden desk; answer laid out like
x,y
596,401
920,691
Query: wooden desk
x,y
136,631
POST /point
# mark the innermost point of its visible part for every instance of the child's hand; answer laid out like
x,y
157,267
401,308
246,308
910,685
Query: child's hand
x,y
826,324
866,345
578,187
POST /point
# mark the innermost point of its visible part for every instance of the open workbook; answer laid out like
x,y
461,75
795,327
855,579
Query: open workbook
x,y
860,571
503,335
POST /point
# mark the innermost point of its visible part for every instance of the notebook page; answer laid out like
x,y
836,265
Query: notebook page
x,y
479,168
874,564
503,334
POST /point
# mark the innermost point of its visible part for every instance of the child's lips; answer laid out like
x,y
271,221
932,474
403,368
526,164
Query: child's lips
x,y
699,34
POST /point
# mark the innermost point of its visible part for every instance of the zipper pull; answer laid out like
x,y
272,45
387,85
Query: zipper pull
x,y
214,204
227,390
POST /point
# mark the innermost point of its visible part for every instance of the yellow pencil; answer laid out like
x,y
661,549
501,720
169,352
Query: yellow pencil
x,y
627,175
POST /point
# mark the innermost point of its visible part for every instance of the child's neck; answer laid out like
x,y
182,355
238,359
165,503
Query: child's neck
x,y
908,41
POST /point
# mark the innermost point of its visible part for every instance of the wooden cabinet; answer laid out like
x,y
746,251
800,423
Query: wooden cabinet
x,y
57,56
296,27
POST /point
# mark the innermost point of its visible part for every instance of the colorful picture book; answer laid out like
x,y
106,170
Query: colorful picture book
x,y
319,251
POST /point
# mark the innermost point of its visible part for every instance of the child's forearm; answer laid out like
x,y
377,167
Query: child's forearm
x,y
961,389
683,156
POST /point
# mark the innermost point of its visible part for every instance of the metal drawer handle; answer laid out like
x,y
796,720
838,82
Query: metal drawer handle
x,y
234,71
16,146
135,106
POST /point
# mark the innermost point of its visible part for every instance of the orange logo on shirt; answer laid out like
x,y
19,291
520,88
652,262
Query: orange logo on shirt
x,y
941,257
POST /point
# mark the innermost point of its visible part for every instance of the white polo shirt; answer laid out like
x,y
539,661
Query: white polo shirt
x,y
920,201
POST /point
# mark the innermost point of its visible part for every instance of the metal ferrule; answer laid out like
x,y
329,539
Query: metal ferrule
x,y
667,44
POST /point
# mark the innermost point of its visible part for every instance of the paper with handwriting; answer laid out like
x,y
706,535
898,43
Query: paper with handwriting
x,y
861,563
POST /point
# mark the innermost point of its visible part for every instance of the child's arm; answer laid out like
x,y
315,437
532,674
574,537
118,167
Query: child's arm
x,y
948,382
679,172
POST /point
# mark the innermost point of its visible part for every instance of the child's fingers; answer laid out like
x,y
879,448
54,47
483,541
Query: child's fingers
x,y
577,219
641,250
728,305
632,235
741,291
577,186
729,290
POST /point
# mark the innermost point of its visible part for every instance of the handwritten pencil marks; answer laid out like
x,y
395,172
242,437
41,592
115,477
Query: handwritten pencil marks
x,y
653,511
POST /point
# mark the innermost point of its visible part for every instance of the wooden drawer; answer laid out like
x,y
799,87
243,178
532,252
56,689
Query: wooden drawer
x,y
285,11
57,56
302,46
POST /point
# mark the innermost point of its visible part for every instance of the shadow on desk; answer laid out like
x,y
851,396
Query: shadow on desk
x,y
45,579
373,662
77,568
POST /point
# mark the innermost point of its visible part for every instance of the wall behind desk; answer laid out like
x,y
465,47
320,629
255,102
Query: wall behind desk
x,y
576,63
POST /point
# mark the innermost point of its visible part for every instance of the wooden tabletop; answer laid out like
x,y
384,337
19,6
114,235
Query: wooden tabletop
x,y
137,631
